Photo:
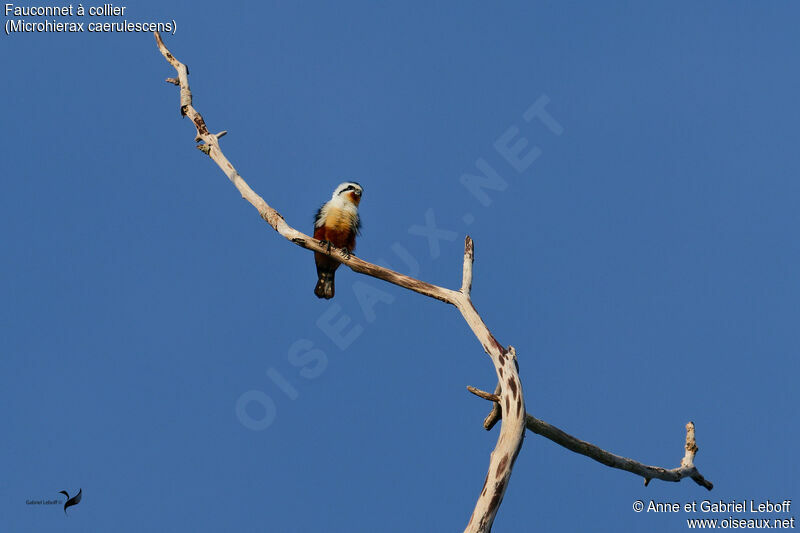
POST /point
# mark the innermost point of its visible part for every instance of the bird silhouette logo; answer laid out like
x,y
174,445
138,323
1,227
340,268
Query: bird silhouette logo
x,y
75,500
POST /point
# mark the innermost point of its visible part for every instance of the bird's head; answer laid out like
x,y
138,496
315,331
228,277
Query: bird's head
x,y
349,191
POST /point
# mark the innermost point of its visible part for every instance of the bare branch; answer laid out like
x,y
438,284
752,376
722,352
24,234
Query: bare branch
x,y
616,461
687,468
494,415
483,394
512,431
469,258
688,459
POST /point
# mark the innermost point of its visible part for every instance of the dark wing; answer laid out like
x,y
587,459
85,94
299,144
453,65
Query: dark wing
x,y
358,225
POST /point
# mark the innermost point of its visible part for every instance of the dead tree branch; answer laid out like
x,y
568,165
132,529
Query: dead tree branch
x,y
512,431
540,427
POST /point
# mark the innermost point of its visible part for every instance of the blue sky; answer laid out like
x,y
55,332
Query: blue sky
x,y
644,265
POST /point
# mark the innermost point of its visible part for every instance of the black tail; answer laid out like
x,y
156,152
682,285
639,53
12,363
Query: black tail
x,y
324,288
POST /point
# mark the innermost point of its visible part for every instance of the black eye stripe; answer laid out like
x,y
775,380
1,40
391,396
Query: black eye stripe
x,y
348,188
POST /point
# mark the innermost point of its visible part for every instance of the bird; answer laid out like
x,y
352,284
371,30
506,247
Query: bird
x,y
336,224
75,500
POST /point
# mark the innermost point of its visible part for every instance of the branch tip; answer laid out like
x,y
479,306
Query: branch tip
x,y
469,258
483,394
469,248
691,446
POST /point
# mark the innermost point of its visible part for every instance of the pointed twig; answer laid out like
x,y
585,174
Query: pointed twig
x,y
469,258
483,394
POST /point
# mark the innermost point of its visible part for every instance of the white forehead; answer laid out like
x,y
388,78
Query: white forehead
x,y
346,184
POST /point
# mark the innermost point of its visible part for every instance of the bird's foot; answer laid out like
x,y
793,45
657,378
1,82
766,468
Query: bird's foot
x,y
326,244
345,253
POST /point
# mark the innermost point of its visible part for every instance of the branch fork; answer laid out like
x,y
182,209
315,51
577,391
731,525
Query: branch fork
x,y
540,427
